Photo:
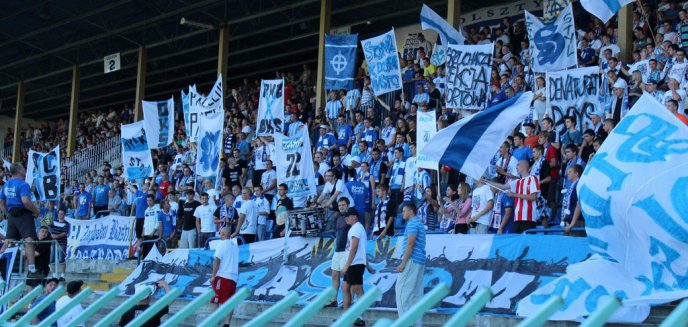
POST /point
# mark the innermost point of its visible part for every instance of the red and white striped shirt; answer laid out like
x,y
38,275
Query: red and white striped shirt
x,y
525,210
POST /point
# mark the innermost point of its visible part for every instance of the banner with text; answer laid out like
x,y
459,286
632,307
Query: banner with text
x,y
136,156
185,108
468,75
574,93
493,16
383,62
158,117
204,105
106,238
552,45
270,107
427,128
295,165
209,144
44,170
340,61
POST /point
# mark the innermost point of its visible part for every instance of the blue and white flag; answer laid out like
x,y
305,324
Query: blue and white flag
x,y
469,144
270,108
340,61
604,9
44,170
429,19
136,155
426,124
200,105
158,120
383,62
552,45
633,195
209,144
185,108
294,164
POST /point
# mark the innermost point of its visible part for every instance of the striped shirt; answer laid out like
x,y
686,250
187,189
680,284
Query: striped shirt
x,y
396,179
421,180
352,97
416,227
380,218
525,210
367,98
294,129
332,108
421,98
683,34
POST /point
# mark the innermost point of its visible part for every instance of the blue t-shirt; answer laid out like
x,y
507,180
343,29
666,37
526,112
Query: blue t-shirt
x,y
168,223
101,195
523,153
416,227
359,193
325,141
83,203
344,134
13,191
141,204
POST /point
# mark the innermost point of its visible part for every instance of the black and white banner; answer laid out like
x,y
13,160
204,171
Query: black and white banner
x,y
158,117
270,107
552,45
204,105
44,170
294,164
136,155
574,93
106,238
468,75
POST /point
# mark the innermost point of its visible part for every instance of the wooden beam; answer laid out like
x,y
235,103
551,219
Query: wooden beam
x,y
223,52
325,19
16,146
625,33
454,13
140,84
73,111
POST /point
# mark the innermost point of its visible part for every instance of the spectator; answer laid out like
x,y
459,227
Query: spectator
x,y
73,288
84,204
482,203
409,285
225,271
205,223
339,258
248,217
59,230
50,286
571,211
356,261
144,304
100,191
114,204
189,236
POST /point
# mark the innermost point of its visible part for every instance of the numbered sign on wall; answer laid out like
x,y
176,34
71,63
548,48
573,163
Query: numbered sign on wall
x,y
112,63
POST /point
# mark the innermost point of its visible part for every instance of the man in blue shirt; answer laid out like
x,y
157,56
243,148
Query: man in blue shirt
x,y
409,285
15,202
138,209
344,134
167,223
521,152
83,203
360,193
101,197
325,140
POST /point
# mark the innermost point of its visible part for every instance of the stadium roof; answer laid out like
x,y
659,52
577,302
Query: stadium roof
x,y
41,41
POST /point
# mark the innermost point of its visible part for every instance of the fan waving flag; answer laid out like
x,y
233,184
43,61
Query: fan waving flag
x,y
448,34
469,144
604,9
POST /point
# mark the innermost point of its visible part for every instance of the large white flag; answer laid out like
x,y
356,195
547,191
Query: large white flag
x,y
136,156
634,198
270,108
158,118
294,164
383,62
209,144
552,46
204,105
604,9
427,128
44,170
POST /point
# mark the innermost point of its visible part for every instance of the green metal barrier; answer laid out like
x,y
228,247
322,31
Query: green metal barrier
x,y
221,312
274,310
349,316
678,317
155,308
189,309
124,307
546,310
26,299
12,293
312,308
606,309
470,309
61,312
33,312
426,303
94,307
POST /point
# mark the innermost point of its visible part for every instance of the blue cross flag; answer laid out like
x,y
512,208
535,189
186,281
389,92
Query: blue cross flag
x,y
340,61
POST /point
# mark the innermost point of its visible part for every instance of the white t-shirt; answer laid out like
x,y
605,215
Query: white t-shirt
x,y
250,209
409,171
174,209
213,196
228,253
266,179
343,192
205,214
481,196
263,205
69,316
358,231
150,220
669,95
262,154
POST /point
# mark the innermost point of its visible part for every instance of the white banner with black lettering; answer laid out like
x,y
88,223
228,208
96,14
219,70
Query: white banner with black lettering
x,y
427,128
574,93
270,107
383,62
44,169
209,144
468,75
204,105
158,120
552,46
294,164
106,238
136,156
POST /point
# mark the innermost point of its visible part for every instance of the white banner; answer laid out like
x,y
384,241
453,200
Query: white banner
x,y
493,16
468,75
634,197
270,108
136,156
383,62
552,46
158,120
427,128
106,238
574,93
44,169
209,144
204,105
294,164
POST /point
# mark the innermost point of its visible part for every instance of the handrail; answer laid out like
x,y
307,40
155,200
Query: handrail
x,y
23,301
226,307
155,308
553,230
312,308
189,309
274,310
94,307
546,310
348,317
678,317
33,312
599,317
124,307
477,302
76,300
12,293
417,311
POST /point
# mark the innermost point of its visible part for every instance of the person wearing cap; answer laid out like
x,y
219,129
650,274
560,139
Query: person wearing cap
x,y
50,285
225,271
356,261
325,140
144,304
619,101
73,288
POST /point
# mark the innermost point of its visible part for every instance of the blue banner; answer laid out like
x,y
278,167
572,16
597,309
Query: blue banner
x,y
383,62
340,61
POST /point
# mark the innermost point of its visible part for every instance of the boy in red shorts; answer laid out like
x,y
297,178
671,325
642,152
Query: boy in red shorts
x,y
225,271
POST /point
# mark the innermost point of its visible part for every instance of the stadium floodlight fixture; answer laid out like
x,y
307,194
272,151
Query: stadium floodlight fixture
x,y
185,21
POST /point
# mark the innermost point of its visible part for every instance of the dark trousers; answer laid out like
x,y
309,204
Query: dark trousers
x,y
522,226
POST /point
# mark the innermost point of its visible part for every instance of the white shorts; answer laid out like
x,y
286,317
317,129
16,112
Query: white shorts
x,y
339,260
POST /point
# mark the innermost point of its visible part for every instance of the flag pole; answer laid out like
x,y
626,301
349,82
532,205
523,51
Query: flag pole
x,y
495,186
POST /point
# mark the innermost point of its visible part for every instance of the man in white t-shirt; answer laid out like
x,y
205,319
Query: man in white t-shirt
x,y
73,288
482,204
357,261
268,180
205,221
248,217
225,271
263,206
150,218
